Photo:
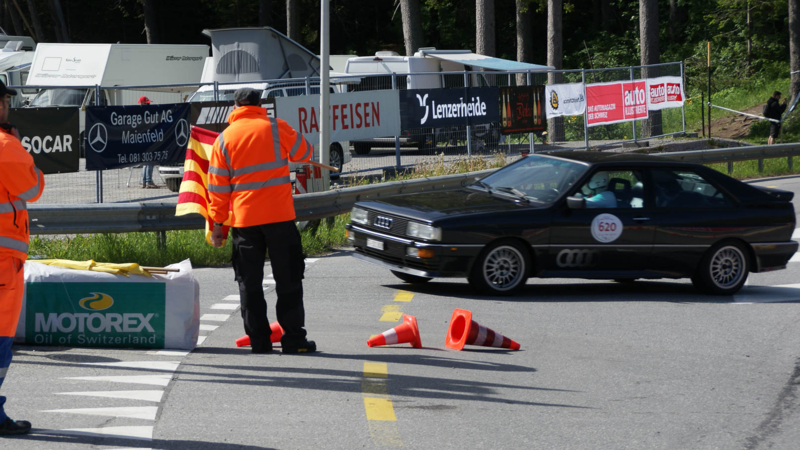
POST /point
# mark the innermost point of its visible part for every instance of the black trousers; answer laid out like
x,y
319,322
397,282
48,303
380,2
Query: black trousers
x,y
250,246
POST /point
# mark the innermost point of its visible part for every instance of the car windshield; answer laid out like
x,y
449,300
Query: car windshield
x,y
535,178
59,97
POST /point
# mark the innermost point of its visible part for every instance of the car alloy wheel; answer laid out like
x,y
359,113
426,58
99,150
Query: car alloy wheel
x,y
336,159
502,269
727,267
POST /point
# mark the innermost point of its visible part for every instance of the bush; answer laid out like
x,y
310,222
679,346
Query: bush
x,y
759,129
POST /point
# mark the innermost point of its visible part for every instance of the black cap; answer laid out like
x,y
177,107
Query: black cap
x,y
246,96
6,91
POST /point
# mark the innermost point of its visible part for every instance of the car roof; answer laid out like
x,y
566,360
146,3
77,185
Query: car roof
x,y
603,158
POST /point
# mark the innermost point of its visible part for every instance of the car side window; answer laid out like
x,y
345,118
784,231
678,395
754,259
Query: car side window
x,y
686,189
614,189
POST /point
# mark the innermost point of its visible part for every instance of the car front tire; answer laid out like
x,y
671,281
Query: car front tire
x,y
408,278
723,269
336,159
501,269
361,148
173,184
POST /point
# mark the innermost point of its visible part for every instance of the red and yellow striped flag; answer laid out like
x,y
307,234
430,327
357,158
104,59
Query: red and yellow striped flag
x,y
193,196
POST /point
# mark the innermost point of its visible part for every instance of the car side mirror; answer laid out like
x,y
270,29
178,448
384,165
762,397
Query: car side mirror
x,y
576,202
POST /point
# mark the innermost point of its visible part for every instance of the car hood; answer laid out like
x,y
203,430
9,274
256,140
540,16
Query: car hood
x,y
430,206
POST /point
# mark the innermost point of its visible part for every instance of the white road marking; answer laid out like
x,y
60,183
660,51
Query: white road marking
x,y
228,306
130,412
269,281
768,294
311,260
171,353
204,327
143,433
143,395
201,339
795,258
153,380
796,234
166,366
215,317
232,298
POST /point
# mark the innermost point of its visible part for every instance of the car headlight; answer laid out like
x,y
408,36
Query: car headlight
x,y
359,215
422,231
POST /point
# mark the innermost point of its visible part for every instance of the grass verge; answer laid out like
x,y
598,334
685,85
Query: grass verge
x,y
325,236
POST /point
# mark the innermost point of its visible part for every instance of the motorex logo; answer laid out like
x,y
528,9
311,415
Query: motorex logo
x,y
96,314
97,302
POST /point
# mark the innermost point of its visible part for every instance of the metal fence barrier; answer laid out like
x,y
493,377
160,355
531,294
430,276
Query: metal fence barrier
x,y
159,217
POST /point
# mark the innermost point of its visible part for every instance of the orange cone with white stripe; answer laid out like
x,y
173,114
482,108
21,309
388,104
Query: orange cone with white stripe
x,y
277,332
405,332
465,331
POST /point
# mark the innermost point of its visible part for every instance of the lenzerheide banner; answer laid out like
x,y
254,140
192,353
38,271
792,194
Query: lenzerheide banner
x,y
50,135
123,136
521,109
565,100
422,108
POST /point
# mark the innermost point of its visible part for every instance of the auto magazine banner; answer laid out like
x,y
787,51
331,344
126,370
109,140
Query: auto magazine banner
x,y
423,108
213,116
521,109
50,135
609,103
664,92
565,100
355,115
123,136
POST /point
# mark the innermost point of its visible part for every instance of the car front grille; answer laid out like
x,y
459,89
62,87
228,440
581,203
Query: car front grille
x,y
386,223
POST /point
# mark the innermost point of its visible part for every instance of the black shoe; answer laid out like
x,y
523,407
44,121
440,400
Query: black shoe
x,y
260,349
10,427
306,347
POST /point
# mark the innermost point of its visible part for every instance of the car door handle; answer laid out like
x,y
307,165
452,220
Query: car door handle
x,y
641,219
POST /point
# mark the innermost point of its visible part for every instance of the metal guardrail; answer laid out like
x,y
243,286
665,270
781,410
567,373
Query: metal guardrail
x,y
134,217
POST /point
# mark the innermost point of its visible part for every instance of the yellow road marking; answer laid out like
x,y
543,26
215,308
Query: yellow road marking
x,y
379,409
376,370
403,296
378,406
391,316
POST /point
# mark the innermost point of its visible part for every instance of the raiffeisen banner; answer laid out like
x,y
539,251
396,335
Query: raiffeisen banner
x,y
435,108
609,103
81,308
355,115
664,92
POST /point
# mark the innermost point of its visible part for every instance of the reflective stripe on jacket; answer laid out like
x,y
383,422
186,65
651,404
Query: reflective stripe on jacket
x,y
249,169
20,182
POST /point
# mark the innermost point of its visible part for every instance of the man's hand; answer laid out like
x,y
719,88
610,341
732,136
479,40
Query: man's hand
x,y
216,236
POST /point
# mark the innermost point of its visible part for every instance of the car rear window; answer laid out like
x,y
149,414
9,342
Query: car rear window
x,y
686,189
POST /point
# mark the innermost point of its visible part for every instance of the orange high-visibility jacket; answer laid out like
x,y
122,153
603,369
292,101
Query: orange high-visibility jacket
x,y
249,169
20,182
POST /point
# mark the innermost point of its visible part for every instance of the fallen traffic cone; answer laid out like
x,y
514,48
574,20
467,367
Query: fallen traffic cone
x,y
405,332
465,331
277,332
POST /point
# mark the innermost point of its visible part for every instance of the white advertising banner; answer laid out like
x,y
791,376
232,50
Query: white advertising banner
x,y
355,115
565,100
664,92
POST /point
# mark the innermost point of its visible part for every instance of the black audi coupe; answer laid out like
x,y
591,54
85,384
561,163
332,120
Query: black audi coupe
x,y
582,215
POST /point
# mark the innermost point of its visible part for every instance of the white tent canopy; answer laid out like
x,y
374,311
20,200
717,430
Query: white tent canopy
x,y
468,58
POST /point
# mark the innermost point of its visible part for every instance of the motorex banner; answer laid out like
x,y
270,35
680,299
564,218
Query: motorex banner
x,y
77,308
123,136
565,99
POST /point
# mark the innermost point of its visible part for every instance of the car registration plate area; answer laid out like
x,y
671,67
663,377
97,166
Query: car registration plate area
x,y
375,244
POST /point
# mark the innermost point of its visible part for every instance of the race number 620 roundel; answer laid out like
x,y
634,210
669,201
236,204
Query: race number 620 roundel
x,y
606,228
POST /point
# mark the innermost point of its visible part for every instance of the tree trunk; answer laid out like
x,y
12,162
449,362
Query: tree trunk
x,y
15,20
265,13
150,25
412,25
59,19
524,37
292,20
25,20
648,37
484,27
794,47
37,23
555,58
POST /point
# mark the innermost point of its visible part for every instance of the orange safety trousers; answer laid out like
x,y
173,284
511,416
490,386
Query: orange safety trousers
x,y
12,286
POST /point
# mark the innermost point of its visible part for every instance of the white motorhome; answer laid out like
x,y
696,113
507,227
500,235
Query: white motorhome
x,y
14,69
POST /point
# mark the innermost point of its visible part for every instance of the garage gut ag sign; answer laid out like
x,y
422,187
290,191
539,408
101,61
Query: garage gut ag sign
x,y
127,315
122,136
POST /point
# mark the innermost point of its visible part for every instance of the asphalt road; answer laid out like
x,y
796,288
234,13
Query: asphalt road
x,y
647,365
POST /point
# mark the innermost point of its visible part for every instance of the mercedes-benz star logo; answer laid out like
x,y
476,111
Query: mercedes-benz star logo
x,y
182,132
98,137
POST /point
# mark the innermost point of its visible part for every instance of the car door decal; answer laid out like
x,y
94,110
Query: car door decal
x,y
576,258
606,228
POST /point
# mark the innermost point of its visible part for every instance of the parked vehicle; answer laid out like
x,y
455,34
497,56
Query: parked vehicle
x,y
541,217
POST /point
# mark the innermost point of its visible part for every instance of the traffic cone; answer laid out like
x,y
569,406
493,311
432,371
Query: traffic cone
x,y
465,331
277,332
405,332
